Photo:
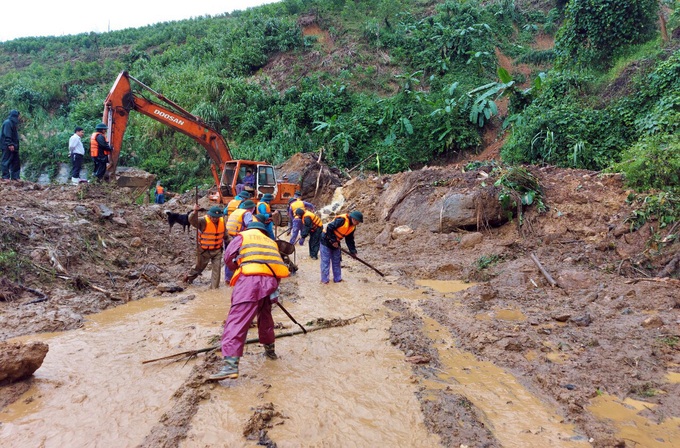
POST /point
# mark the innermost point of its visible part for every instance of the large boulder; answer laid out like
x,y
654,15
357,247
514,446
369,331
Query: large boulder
x,y
19,361
453,210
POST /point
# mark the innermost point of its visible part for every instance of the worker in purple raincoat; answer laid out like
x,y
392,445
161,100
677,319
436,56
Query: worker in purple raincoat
x,y
255,259
340,228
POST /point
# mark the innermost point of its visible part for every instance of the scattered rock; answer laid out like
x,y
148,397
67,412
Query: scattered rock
x,y
105,211
582,321
401,231
621,230
418,359
561,317
120,221
574,280
169,287
513,345
653,322
470,240
19,361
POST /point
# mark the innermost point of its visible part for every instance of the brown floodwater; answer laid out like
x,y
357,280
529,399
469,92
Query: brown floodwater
x,y
344,386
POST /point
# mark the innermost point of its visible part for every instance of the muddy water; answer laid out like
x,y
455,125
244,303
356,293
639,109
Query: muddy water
x,y
92,389
344,386
444,286
628,417
516,417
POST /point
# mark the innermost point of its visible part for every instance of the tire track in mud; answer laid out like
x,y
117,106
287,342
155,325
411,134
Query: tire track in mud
x,y
449,415
174,424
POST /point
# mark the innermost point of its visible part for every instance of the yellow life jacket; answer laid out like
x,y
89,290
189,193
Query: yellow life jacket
x,y
259,255
233,205
346,228
212,236
316,221
235,221
296,204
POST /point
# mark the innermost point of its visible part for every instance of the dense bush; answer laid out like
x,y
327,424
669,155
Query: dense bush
x,y
399,84
595,29
652,163
566,135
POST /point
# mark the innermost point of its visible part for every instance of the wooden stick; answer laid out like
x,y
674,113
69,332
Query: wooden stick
x,y
362,262
672,281
190,353
545,273
360,163
318,178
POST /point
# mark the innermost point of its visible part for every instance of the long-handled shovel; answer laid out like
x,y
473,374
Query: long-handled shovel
x,y
362,262
291,317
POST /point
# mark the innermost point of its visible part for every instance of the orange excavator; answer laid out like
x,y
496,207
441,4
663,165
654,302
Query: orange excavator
x,y
227,172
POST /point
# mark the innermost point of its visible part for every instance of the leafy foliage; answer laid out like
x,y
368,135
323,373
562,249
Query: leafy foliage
x,y
595,29
653,163
413,83
518,188
664,207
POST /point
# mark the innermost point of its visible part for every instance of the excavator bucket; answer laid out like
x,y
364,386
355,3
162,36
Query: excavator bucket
x,y
134,178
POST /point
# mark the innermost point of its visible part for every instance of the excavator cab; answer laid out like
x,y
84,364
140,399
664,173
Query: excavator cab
x,y
234,176
266,180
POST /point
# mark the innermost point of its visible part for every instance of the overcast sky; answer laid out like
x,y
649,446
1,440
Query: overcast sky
x,y
23,18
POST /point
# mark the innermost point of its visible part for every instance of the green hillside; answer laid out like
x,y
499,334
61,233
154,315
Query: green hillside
x,y
396,84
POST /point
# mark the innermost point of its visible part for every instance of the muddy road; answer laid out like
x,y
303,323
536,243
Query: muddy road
x,y
465,342
340,386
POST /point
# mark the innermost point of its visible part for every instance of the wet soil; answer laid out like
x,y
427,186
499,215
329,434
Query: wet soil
x,y
592,347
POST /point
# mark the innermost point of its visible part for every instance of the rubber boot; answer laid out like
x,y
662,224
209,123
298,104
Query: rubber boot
x,y
229,369
269,351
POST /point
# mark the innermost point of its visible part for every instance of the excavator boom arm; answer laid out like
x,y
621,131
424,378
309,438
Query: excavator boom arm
x,y
121,100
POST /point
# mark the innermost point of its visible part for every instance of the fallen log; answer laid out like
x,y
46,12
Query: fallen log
x,y
545,273
672,281
320,325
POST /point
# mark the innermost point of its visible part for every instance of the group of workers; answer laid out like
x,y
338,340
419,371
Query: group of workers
x,y
100,151
254,266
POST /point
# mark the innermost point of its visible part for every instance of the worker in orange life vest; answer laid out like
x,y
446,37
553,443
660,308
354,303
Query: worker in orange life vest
x,y
160,194
212,238
312,226
100,150
296,223
237,222
340,228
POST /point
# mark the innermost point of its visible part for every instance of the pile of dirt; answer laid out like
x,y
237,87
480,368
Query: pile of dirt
x,y
68,251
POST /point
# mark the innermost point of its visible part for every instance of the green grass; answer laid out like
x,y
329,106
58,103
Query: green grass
x,y
629,56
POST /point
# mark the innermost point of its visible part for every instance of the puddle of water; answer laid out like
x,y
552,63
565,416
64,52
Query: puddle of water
x,y
635,428
92,385
515,416
510,315
445,286
673,377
